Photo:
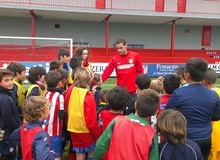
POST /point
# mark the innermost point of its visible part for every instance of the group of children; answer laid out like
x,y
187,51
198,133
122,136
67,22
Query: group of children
x,y
116,127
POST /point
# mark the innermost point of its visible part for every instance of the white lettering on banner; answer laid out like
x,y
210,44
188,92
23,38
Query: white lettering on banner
x,y
125,66
166,67
215,67
100,67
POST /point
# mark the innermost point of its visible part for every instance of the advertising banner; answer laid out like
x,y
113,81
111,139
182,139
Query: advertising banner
x,y
153,70
156,70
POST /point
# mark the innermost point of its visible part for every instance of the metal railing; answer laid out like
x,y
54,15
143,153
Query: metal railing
x,y
192,6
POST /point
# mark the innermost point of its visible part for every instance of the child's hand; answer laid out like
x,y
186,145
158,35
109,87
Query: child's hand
x,y
52,151
94,89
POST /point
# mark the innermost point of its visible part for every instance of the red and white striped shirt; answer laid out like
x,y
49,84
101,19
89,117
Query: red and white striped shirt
x,y
54,124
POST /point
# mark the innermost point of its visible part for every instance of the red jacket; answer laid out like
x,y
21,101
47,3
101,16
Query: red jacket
x,y
127,68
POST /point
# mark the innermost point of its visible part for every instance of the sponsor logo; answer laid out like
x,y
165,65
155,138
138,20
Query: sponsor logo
x,y
125,66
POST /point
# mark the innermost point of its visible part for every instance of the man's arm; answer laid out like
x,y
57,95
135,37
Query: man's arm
x,y
108,70
103,142
139,65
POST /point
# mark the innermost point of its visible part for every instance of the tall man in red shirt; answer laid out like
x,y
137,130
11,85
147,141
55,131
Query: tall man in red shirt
x,y
127,65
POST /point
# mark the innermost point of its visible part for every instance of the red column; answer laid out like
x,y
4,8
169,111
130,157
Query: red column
x,y
159,7
172,41
32,23
106,20
206,35
100,4
181,8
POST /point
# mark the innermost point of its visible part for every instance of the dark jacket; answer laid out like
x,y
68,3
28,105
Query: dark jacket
x,y
199,105
9,119
186,151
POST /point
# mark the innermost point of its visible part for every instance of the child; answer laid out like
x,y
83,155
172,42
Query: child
x,y
19,75
9,118
103,105
34,140
75,62
142,82
64,57
82,120
170,83
160,78
36,78
209,81
57,112
198,104
65,78
97,80
180,72
156,85
117,99
55,65
132,137
103,101
65,135
85,54
171,125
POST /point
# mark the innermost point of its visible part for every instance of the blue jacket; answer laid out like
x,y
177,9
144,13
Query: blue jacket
x,y
9,119
199,105
41,149
186,151
66,67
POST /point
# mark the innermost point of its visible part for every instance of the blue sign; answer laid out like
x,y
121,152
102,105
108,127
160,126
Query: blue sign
x,y
156,70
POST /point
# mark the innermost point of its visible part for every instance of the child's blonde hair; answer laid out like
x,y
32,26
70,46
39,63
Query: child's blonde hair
x,y
82,77
161,78
156,85
33,107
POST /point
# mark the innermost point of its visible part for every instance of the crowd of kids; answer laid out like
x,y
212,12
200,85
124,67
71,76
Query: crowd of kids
x,y
172,117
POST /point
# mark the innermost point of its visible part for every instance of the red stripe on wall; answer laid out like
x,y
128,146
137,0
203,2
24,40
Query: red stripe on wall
x,y
100,4
159,7
181,8
206,35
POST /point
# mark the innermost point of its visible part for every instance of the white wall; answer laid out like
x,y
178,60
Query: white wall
x,y
152,36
